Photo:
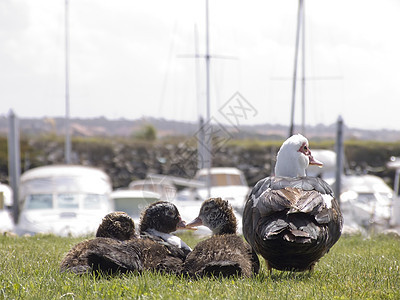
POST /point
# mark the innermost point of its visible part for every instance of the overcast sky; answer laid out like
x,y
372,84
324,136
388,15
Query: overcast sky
x,y
125,59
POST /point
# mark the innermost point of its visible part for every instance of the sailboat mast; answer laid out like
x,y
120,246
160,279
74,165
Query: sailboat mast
x,y
67,117
208,137
303,70
299,17
207,56
200,141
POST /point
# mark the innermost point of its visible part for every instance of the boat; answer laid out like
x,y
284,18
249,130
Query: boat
x,y
328,171
133,202
227,183
64,200
156,184
366,201
6,220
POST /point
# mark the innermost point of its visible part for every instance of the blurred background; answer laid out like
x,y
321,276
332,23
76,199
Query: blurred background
x,y
154,93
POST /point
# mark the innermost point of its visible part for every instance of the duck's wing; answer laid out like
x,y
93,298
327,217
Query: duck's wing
x,y
174,244
120,257
76,260
170,264
308,195
222,255
279,183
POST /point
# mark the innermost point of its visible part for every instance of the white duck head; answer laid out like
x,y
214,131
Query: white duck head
x,y
294,157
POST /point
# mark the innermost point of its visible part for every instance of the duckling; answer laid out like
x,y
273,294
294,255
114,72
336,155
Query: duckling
x,y
157,249
291,219
114,228
158,221
225,253
117,225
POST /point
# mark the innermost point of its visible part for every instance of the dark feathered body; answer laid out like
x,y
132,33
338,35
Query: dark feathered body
x,y
83,257
292,222
225,253
134,256
173,250
115,227
156,256
117,248
157,221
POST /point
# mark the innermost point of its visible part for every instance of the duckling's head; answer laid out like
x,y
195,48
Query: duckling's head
x,y
162,216
217,215
117,225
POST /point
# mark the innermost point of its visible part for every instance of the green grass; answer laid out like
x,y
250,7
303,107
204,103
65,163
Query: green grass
x,y
355,268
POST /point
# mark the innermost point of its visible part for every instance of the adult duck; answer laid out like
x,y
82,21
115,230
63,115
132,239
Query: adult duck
x,y
290,219
225,253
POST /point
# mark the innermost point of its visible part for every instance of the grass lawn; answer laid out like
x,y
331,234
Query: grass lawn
x,y
355,268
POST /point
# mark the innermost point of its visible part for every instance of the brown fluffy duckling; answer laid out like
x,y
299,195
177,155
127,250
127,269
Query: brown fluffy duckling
x,y
117,225
291,219
157,249
114,228
225,253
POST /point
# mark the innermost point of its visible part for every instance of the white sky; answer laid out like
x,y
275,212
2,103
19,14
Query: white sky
x,y
124,59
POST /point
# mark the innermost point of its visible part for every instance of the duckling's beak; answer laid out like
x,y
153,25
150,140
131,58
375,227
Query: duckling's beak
x,y
181,225
194,223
